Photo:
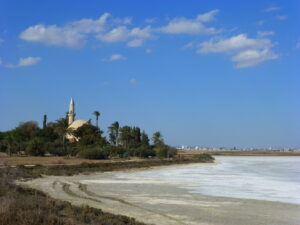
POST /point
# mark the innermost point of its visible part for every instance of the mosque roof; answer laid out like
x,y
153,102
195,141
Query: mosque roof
x,y
77,123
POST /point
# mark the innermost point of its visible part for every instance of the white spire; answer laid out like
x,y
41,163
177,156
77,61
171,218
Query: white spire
x,y
72,101
71,113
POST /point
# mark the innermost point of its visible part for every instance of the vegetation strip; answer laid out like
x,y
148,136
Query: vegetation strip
x,y
69,170
82,139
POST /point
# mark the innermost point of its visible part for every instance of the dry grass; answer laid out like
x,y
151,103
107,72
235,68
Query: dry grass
x,y
43,160
3,154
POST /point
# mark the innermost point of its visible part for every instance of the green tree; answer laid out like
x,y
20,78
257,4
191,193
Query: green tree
x,y
114,133
158,139
97,114
165,151
35,147
9,141
125,136
61,129
45,121
2,144
136,136
89,134
144,139
27,130
48,133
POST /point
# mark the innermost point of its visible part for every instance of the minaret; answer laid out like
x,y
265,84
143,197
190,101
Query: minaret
x,y
71,114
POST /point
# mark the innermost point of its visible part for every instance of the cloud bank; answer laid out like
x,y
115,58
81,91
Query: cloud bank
x,y
247,52
244,51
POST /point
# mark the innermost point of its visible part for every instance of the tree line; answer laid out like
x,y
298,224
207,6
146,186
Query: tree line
x,y
122,141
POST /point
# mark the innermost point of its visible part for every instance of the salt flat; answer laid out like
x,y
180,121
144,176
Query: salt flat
x,y
164,195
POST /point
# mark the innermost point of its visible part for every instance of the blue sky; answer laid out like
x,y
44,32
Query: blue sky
x,y
207,73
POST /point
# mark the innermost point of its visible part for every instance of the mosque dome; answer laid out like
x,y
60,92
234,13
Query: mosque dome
x,y
77,123
74,126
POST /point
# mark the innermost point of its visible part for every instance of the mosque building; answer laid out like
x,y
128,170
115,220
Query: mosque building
x,y
73,124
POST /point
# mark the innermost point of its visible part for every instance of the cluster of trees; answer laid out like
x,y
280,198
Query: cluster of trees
x,y
28,138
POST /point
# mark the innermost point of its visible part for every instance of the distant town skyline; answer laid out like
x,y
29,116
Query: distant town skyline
x,y
214,73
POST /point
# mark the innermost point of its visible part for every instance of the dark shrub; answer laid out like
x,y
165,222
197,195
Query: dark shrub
x,y
115,151
94,153
125,155
145,152
204,157
56,148
36,147
165,152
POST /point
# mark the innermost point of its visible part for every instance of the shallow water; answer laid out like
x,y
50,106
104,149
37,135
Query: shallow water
x,y
264,178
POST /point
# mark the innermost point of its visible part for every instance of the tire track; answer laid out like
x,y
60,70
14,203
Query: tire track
x,y
83,188
68,191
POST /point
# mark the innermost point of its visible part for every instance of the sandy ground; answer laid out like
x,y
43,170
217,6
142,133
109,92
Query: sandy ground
x,y
154,201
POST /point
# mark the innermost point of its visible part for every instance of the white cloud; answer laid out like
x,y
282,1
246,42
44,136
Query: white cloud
x,y
72,34
148,51
118,34
53,35
265,33
273,8
121,33
206,17
151,20
238,42
135,43
126,20
252,57
29,61
281,17
115,57
89,25
111,30
247,52
23,62
141,33
183,25
134,81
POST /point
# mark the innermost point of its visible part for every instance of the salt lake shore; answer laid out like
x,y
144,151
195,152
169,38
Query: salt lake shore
x,y
155,201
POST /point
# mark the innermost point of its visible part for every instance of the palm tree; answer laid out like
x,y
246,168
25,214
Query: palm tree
x,y
61,128
125,136
114,133
97,114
